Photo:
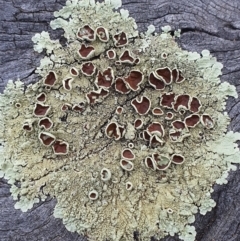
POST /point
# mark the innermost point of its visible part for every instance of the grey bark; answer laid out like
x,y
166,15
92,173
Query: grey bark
x,y
205,24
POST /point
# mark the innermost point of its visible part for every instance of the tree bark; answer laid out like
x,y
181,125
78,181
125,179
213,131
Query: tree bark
x,y
205,24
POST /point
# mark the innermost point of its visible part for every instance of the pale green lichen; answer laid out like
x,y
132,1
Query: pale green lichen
x,y
42,41
108,157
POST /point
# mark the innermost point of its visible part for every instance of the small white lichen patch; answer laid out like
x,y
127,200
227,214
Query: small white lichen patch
x,y
42,41
121,126
151,30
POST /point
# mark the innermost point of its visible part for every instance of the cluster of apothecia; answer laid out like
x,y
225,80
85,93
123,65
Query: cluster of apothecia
x,y
172,106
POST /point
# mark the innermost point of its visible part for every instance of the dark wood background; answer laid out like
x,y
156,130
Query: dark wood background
x,y
205,24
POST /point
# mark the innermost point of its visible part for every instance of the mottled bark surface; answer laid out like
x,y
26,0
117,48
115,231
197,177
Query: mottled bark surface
x,y
205,24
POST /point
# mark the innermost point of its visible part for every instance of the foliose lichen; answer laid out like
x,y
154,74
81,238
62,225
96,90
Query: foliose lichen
x,y
125,130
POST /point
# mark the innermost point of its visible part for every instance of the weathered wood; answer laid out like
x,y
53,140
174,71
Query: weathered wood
x,y
205,24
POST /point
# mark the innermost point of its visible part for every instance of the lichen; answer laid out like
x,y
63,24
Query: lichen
x,y
125,130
